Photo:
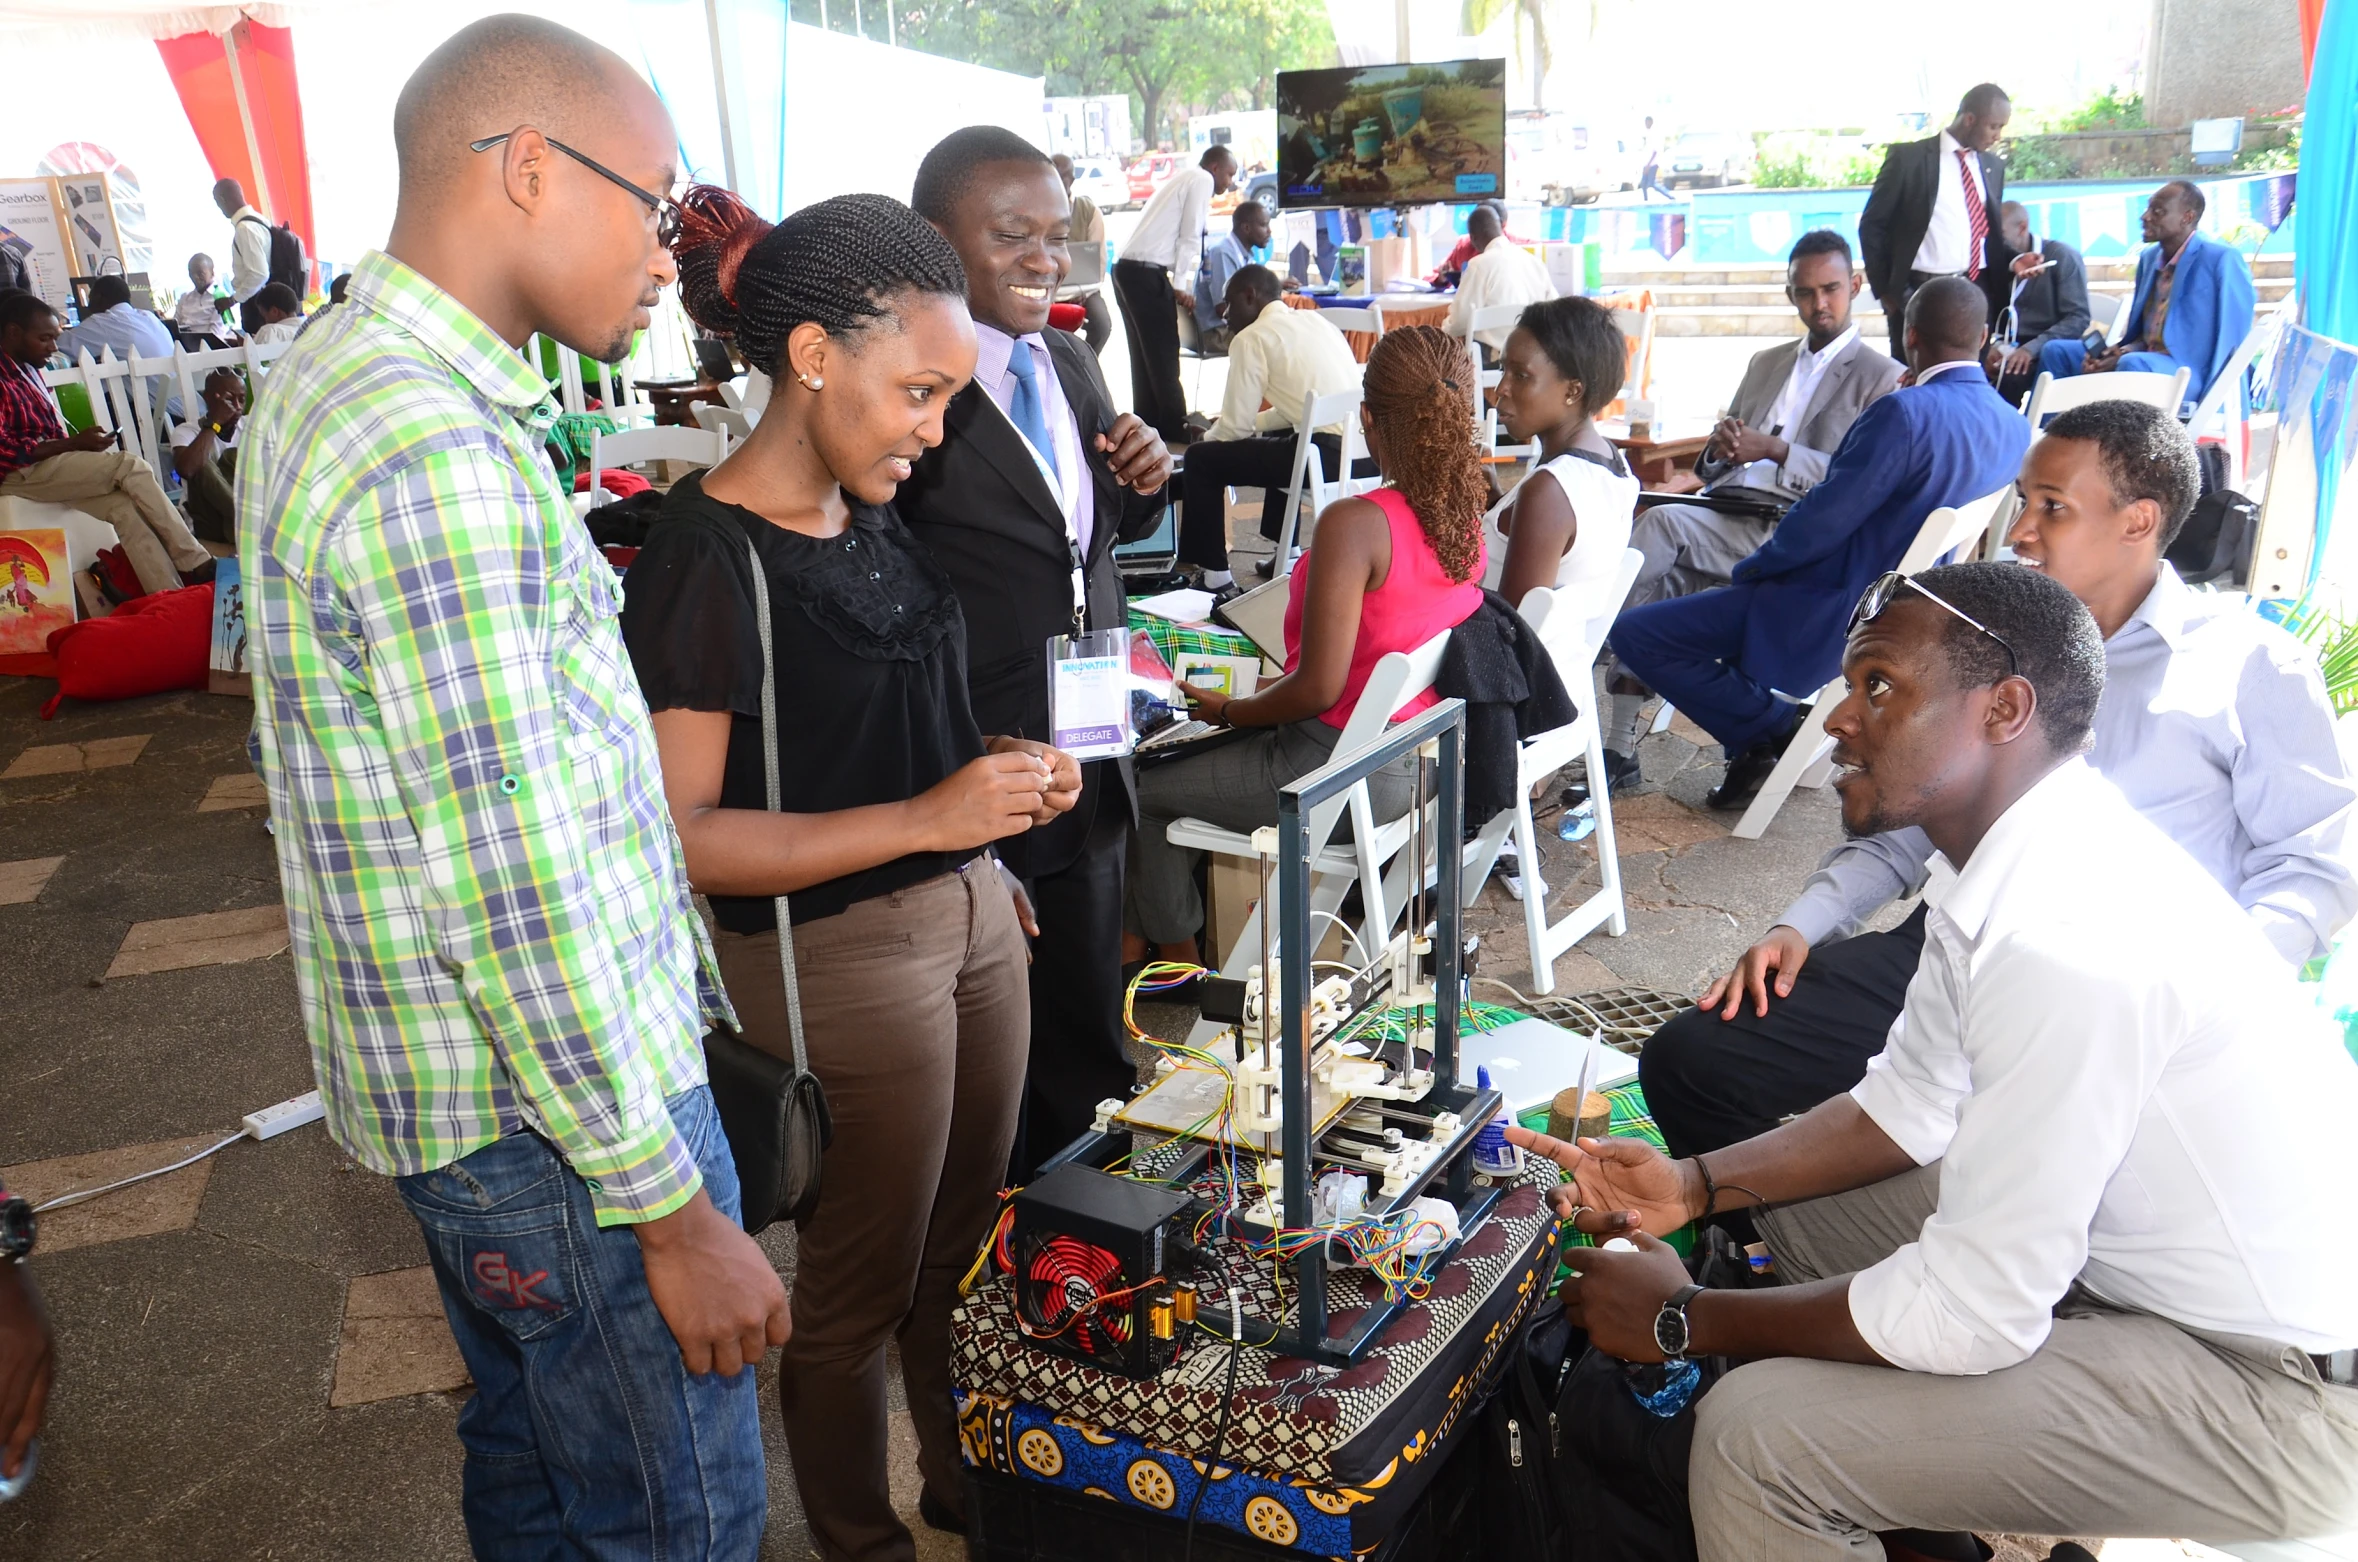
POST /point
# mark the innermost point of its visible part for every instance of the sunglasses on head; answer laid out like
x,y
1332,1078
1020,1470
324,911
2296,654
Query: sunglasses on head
x,y
1887,588
667,211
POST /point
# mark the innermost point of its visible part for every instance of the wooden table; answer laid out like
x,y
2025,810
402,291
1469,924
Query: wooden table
x,y
674,401
1661,454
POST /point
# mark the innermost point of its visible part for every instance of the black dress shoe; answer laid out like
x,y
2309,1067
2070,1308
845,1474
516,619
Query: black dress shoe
x,y
1621,773
936,1513
1749,771
201,574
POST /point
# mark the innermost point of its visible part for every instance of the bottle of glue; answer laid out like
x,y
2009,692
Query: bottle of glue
x,y
1493,1156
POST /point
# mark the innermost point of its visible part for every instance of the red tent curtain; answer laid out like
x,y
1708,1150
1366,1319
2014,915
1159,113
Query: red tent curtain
x,y
2312,17
258,142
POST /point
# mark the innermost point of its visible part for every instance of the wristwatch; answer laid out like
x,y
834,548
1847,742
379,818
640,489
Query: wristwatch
x,y
1670,1324
17,1227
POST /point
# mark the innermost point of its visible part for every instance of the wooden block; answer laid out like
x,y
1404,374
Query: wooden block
x,y
1594,1120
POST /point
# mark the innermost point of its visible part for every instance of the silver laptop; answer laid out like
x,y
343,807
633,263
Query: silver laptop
x,y
1259,615
1531,1061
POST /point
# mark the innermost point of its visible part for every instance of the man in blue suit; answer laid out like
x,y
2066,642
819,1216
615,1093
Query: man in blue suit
x,y
2193,305
1946,440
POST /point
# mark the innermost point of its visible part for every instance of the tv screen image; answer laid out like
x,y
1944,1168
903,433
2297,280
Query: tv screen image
x,y
1392,135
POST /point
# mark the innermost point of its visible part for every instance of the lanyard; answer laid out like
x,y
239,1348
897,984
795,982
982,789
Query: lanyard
x,y
1067,495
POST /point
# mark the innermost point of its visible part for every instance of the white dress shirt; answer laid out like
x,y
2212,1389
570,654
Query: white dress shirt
x,y
1505,273
1170,231
2124,1087
1948,240
1285,357
1069,479
1792,403
126,328
249,254
2216,727
196,312
280,330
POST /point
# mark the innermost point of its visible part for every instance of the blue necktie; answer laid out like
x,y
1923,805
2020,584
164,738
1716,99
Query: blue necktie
x,y
1030,412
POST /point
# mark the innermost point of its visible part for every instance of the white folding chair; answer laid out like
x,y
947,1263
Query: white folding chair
x,y
1572,626
1398,678
2225,411
1367,320
2329,1548
632,447
1806,761
2107,310
722,420
2050,395
1309,486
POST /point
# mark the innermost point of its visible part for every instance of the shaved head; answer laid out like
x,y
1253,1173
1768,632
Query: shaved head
x,y
1947,319
494,76
553,227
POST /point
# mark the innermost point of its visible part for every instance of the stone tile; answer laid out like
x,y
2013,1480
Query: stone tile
x,y
213,938
65,759
142,1210
22,881
396,1341
1688,730
244,790
1656,821
901,1465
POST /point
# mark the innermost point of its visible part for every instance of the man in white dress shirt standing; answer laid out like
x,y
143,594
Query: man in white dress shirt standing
x,y
249,249
1501,272
1934,212
1165,250
2087,1200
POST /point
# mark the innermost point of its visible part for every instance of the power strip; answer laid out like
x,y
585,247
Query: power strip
x,y
272,1121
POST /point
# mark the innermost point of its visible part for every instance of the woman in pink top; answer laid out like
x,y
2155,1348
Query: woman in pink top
x,y
1389,572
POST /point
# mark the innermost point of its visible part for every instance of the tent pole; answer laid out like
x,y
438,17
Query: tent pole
x,y
891,31
245,120
720,95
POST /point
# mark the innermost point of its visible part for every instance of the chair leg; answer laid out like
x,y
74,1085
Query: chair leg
x,y
1662,718
1607,846
1481,858
1543,966
1799,755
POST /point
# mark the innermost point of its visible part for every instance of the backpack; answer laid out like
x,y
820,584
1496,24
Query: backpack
x,y
2216,542
288,262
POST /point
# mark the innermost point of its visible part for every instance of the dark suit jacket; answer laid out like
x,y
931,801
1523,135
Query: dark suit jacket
x,y
979,503
1899,210
1945,442
2053,306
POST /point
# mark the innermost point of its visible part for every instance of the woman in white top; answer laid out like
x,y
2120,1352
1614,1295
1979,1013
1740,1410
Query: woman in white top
x,y
1567,523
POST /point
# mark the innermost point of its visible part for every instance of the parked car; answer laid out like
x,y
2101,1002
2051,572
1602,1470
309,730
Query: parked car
x,y
1708,159
1149,174
1102,180
1260,187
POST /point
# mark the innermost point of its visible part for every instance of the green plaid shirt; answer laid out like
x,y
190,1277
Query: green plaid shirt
x,y
491,920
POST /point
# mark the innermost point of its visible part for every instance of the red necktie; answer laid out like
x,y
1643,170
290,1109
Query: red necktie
x,y
1977,216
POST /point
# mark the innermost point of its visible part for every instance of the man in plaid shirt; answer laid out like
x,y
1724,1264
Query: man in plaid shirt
x,y
501,971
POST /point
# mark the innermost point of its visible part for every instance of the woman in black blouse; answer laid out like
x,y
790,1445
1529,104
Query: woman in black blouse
x,y
913,988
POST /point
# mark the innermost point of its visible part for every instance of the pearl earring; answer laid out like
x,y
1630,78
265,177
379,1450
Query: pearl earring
x,y
810,381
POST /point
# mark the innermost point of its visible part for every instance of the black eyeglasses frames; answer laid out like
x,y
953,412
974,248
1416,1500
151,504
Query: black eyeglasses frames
x,y
667,211
1887,587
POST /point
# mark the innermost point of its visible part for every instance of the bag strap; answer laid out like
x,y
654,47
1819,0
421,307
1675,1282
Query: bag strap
x,y
769,766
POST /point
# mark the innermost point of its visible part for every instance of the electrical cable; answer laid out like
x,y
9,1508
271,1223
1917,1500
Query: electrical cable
x,y
1227,1407
91,1193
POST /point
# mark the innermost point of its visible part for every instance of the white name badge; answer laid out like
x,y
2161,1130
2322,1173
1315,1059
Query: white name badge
x,y
1089,694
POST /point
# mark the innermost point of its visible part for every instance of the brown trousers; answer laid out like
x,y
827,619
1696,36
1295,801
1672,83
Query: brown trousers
x,y
121,490
917,1014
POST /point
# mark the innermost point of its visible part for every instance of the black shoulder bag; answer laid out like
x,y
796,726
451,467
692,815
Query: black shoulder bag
x,y
773,1111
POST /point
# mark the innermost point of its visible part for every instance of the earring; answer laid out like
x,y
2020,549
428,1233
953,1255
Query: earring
x,y
810,381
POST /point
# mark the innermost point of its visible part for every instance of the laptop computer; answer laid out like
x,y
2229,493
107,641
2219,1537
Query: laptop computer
x,y
1259,615
1531,1060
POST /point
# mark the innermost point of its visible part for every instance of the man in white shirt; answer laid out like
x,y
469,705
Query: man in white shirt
x,y
1501,272
1085,283
2215,725
1165,250
197,312
2087,1201
249,246
1280,356
1934,211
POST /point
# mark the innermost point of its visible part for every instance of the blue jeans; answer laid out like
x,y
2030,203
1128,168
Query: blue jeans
x,y
587,1437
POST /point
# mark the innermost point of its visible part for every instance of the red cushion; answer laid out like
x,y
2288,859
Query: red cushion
x,y
1067,317
618,481
159,642
119,574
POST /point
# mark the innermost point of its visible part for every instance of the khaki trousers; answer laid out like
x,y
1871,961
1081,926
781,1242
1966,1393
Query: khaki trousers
x,y
917,1013
2122,1424
121,490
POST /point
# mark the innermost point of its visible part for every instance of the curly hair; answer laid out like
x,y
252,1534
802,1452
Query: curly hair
x,y
1420,397
837,263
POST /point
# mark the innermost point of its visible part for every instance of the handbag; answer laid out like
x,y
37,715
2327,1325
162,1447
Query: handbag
x,y
773,1111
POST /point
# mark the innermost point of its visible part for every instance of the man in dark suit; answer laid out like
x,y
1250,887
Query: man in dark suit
x,y
1933,212
2047,288
1020,504
1946,440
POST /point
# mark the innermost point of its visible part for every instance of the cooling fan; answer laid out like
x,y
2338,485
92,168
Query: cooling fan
x,y
1087,1254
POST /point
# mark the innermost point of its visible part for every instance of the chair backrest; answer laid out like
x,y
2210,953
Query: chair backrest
x,y
1399,676
1354,320
722,420
2222,413
2050,395
1308,486
1950,527
1495,317
704,447
1634,313
2106,310
1572,621
731,395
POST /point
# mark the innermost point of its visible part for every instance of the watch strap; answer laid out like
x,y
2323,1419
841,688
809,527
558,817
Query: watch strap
x,y
1676,1302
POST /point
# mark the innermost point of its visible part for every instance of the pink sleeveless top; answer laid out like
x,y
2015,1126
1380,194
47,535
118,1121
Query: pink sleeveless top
x,y
1416,602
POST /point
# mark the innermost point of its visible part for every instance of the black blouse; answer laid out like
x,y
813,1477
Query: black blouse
x,y
871,668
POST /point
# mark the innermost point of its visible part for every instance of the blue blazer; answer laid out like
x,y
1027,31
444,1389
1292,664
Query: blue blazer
x,y
1945,442
2211,306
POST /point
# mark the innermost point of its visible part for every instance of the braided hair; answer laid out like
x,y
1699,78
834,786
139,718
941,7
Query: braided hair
x,y
1420,397
837,263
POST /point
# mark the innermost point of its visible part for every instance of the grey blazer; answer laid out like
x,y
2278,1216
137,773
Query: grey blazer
x,y
1862,374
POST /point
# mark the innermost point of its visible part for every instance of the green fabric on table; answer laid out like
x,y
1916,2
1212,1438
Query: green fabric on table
x,y
1177,640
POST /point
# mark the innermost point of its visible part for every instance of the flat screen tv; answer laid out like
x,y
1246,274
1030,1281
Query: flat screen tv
x,y
1392,135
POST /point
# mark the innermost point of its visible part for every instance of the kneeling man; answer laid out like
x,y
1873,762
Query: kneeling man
x,y
2085,1200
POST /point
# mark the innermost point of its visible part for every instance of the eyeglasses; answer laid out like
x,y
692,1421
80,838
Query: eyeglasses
x,y
667,211
1887,587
